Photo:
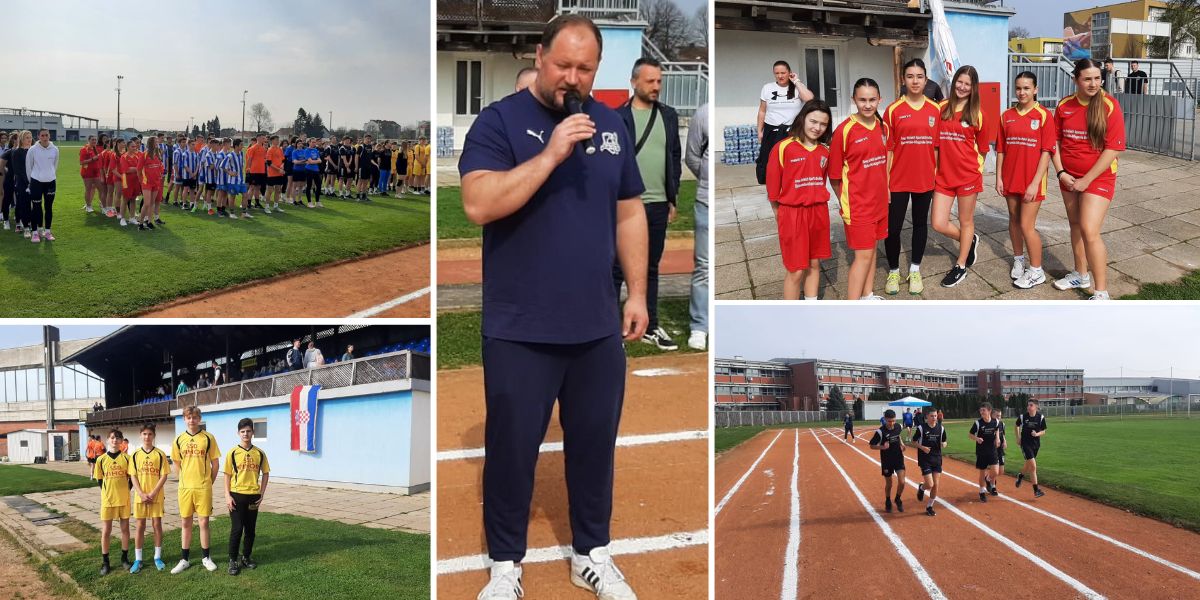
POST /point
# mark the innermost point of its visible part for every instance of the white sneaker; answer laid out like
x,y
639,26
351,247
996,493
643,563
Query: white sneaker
x,y
1030,278
698,340
88,209
597,573
6,226
123,221
505,583
1018,268
1100,296
1074,281
871,298
181,567
209,564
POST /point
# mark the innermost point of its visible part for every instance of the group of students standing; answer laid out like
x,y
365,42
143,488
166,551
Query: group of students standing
x,y
29,174
930,155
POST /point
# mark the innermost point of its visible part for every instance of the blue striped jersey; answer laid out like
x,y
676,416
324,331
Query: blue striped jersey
x,y
221,177
236,162
182,160
206,165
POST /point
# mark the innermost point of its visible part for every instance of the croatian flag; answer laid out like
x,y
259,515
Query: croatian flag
x,y
304,418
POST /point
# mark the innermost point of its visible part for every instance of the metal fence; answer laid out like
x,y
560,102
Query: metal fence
x,y
1174,408
742,418
602,9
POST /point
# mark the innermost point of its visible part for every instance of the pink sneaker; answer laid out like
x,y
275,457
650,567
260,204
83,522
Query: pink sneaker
x,y
35,238
49,236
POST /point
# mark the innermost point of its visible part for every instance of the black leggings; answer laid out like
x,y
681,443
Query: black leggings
x,y
772,134
8,203
242,521
920,219
42,199
314,186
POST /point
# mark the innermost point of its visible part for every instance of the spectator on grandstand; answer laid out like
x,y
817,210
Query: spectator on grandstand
x,y
295,356
349,354
309,353
182,388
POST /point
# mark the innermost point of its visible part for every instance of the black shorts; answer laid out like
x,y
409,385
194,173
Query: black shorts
x,y
259,179
364,173
299,176
1030,450
983,461
1000,457
189,183
890,466
276,180
929,463
91,461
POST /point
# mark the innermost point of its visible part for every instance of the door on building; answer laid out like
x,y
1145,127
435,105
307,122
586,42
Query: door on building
x,y
819,68
60,451
468,90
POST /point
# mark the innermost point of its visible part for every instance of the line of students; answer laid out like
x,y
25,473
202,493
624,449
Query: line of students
x,y
141,477
928,156
29,173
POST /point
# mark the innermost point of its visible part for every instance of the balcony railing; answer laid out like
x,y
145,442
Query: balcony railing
x,y
482,13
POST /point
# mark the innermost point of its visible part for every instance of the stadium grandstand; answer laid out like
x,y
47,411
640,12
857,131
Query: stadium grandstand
x,y
62,126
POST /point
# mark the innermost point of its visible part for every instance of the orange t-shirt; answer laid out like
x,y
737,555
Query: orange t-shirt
x,y
275,155
256,159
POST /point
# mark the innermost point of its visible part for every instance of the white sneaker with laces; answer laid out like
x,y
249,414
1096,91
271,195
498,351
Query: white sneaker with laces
x,y
1100,296
698,340
871,298
1018,268
597,573
1030,278
505,582
123,221
209,564
181,567
1074,280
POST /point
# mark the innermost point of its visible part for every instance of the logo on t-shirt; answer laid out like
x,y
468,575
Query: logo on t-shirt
x,y
823,161
609,143
931,121
537,135
1033,124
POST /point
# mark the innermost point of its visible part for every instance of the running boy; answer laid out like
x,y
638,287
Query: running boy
x,y
113,471
929,439
150,469
848,428
985,433
891,458
1031,426
244,492
195,458
998,417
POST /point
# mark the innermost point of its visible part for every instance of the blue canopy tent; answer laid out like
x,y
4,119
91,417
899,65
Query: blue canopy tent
x,y
910,401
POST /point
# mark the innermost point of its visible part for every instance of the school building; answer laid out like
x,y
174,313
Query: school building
x,y
830,45
372,414
1138,390
62,126
26,398
1036,45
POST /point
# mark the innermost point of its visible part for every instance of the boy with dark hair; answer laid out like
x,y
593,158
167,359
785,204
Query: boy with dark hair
x,y
1031,426
848,427
985,433
113,470
929,438
998,417
887,441
244,493
150,469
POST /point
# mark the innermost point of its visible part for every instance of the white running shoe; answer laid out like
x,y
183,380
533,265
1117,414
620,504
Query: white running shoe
x,y
88,209
181,567
1018,268
1100,296
597,573
871,298
123,223
6,226
1030,278
209,564
232,216
698,340
505,583
1074,280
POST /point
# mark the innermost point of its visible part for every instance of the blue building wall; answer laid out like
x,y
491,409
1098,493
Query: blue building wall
x,y
982,41
360,439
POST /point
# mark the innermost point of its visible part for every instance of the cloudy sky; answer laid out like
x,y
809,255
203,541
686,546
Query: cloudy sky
x,y
363,59
1147,340
15,336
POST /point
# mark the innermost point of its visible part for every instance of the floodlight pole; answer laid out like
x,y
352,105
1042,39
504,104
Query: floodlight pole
x,y
244,110
119,78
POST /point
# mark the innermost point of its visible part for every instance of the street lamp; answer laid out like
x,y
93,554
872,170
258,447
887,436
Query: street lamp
x,y
119,78
190,119
244,92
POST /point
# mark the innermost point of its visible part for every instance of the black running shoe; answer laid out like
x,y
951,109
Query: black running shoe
x,y
233,566
954,277
929,511
104,569
141,226
248,564
887,505
1020,478
992,490
982,497
971,255
159,222
920,492
1038,493
149,225
659,338
899,504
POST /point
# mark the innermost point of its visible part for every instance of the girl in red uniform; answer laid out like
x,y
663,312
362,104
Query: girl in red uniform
x,y
959,169
858,172
911,122
796,187
150,172
112,174
1091,133
1023,150
89,170
131,185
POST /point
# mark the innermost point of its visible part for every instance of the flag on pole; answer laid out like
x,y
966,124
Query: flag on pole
x,y
304,418
945,51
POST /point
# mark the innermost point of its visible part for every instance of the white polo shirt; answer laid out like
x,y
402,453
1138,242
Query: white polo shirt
x,y
41,163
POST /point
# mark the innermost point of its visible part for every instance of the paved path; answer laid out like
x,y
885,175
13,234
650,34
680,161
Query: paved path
x,y
1152,234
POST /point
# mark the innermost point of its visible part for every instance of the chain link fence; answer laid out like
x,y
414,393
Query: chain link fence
x,y
1173,408
743,418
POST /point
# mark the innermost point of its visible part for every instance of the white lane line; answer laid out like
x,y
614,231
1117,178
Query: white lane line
x,y
913,564
374,310
791,558
733,490
657,372
629,440
642,545
1015,547
1096,534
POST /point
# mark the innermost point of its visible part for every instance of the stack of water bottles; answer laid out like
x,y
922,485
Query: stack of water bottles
x,y
445,141
741,145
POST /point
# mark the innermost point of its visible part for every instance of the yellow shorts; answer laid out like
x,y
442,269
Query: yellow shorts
x,y
109,513
142,510
198,501
418,171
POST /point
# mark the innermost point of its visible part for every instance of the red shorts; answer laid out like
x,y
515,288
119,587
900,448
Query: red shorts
x,y
973,187
132,188
1021,194
154,185
863,236
1104,186
803,235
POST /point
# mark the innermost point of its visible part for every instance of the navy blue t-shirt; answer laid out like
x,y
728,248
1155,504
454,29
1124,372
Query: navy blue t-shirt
x,y
547,268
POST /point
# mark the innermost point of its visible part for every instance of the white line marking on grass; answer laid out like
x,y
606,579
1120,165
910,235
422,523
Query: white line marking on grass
x,y
659,372
629,440
922,575
1096,534
733,490
791,558
1015,547
642,545
374,310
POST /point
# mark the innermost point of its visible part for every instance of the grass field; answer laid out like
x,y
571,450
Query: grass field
x,y
453,223
460,345
1186,288
297,558
727,438
98,269
16,480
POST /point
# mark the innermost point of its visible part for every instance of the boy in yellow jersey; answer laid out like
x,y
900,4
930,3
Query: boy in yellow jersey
x,y
421,171
244,493
150,468
113,470
410,179
196,459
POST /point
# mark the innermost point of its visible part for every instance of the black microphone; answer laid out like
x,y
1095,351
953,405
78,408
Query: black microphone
x,y
574,106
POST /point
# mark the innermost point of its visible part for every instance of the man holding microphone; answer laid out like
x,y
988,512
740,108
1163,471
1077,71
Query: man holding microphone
x,y
558,195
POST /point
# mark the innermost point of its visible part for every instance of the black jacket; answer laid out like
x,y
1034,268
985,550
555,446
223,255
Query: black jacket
x,y
295,358
670,120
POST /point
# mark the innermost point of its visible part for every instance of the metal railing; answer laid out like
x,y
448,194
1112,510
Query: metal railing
x,y
1175,407
618,10
743,418
494,12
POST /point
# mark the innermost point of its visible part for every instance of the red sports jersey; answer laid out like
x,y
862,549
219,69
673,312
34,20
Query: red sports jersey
x,y
959,160
152,171
129,164
1078,154
911,143
796,173
91,169
111,164
858,158
1022,139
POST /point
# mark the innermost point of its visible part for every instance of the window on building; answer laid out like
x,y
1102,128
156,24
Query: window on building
x,y
468,87
260,429
24,443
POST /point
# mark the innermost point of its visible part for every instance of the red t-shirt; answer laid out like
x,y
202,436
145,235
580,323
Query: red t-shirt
x,y
1078,154
91,169
911,144
129,164
858,158
796,173
152,171
959,160
1022,139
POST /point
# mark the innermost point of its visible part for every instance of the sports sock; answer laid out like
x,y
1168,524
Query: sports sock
x,y
124,556
205,552
185,553
104,558
137,554
157,552
914,268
